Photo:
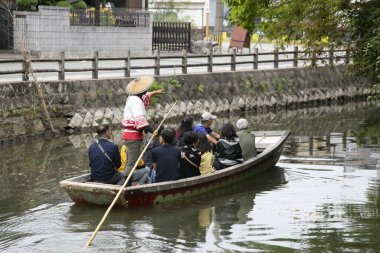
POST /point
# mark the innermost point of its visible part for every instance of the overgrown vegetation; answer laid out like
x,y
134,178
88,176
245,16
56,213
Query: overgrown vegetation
x,y
317,25
173,82
32,4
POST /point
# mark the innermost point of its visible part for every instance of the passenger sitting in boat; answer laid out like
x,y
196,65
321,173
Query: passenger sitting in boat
x,y
190,156
141,174
204,127
123,157
185,126
153,144
105,158
165,159
228,151
246,139
207,158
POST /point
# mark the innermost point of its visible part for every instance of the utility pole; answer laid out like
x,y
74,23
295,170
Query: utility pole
x,y
219,17
207,12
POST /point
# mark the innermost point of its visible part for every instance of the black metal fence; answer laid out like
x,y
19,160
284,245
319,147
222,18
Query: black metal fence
x,y
6,30
169,36
110,17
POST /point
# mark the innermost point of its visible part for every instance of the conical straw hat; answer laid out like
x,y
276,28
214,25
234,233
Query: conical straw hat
x,y
139,85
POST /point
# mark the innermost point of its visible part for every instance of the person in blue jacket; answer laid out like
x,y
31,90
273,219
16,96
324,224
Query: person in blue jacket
x,y
105,159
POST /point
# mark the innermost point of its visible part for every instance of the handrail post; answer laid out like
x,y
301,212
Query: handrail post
x,y
61,73
331,56
347,60
233,60
256,58
313,58
95,63
25,65
157,63
275,63
184,61
127,63
209,66
295,57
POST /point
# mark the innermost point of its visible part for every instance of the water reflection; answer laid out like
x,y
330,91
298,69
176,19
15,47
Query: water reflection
x,y
324,196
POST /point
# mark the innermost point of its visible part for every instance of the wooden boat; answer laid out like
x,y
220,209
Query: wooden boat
x,y
269,145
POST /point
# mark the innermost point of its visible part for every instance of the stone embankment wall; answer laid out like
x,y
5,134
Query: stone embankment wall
x,y
82,105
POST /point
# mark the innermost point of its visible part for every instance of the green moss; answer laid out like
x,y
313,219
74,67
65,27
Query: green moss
x,y
263,85
109,93
249,85
31,114
174,82
280,84
201,88
99,92
10,109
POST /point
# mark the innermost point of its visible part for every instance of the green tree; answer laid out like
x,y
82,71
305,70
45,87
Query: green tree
x,y
318,24
365,33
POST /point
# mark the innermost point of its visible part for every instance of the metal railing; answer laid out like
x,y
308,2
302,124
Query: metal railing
x,y
110,17
171,36
328,57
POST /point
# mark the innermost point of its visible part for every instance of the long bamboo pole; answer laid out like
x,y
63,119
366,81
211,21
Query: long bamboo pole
x,y
125,183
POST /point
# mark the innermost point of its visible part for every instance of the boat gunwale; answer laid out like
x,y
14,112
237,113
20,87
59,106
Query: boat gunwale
x,y
76,183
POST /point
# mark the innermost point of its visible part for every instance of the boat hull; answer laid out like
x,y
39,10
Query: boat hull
x,y
83,192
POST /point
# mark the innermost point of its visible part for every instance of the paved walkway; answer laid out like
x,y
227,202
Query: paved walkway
x,y
8,54
263,47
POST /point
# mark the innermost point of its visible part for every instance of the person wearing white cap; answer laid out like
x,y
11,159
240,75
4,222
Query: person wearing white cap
x,y
134,117
247,139
204,127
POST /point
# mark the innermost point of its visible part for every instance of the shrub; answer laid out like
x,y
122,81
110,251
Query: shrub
x,y
27,4
79,5
64,4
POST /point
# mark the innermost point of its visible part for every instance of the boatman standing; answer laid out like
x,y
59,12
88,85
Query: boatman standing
x,y
135,121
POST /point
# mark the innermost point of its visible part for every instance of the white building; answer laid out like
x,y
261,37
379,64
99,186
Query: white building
x,y
190,10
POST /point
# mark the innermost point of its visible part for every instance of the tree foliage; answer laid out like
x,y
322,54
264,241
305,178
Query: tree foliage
x,y
317,24
288,21
365,32
32,4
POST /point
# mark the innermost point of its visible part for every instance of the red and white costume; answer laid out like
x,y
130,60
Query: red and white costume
x,y
134,118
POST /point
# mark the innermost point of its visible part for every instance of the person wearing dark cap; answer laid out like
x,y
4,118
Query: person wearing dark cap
x,y
135,121
105,159
204,127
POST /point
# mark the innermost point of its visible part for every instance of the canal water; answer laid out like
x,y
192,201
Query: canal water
x,y
323,195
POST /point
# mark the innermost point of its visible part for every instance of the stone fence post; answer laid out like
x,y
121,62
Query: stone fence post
x,y
347,60
61,63
210,57
95,64
275,56
233,60
331,56
295,57
127,65
184,61
256,58
157,63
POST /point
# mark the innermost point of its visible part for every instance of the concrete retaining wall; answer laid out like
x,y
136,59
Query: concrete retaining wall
x,y
48,32
82,105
